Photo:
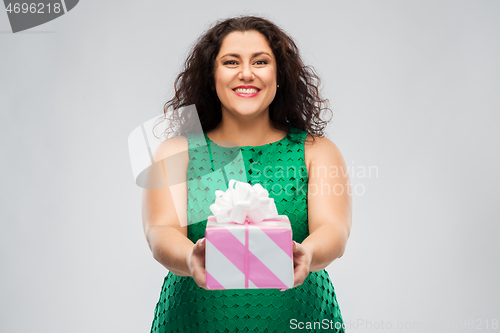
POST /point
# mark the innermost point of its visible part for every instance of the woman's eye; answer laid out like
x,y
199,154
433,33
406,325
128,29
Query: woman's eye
x,y
234,63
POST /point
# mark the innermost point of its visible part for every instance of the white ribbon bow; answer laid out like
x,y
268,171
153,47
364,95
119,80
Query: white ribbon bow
x,y
242,200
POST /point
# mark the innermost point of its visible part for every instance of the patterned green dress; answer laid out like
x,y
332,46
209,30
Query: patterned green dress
x,y
280,168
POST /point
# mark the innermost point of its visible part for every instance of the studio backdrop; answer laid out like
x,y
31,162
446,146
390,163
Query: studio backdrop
x,y
413,86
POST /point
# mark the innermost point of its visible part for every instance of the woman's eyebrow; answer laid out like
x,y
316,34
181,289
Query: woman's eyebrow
x,y
256,54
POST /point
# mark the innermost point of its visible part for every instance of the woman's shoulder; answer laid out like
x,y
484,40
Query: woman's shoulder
x,y
172,146
321,150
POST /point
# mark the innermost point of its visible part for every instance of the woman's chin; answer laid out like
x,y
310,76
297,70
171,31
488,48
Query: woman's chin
x,y
248,113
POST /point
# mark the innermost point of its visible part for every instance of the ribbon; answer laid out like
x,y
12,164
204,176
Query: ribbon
x,y
242,201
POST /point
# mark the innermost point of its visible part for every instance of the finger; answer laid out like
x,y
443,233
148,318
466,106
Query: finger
x,y
201,279
299,281
299,277
300,274
296,277
199,246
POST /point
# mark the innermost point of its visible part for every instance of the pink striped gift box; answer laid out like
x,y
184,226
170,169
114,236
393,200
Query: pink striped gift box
x,y
250,255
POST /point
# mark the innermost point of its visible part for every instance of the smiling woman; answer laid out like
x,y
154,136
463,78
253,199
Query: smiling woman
x,y
237,66
250,88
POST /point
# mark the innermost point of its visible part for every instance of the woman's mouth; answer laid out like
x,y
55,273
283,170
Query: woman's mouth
x,y
246,92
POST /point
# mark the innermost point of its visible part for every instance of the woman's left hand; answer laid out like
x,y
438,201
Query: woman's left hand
x,y
302,257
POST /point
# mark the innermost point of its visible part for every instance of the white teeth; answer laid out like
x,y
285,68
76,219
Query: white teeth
x,y
246,91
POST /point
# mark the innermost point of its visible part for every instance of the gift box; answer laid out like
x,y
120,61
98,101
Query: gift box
x,y
248,245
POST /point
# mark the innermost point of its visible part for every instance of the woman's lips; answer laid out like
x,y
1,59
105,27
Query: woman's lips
x,y
246,92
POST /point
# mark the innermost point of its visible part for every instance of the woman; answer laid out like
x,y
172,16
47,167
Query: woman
x,y
251,88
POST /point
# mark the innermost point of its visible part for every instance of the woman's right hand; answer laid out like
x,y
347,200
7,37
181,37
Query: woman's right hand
x,y
196,263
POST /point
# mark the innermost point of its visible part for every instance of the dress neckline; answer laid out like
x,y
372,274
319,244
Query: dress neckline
x,y
243,147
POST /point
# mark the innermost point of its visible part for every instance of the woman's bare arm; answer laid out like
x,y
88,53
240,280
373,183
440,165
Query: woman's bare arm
x,y
329,204
164,210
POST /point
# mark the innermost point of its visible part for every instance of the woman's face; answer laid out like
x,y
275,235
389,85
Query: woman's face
x,y
245,74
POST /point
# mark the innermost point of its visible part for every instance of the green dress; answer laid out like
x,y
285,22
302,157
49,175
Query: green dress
x,y
280,168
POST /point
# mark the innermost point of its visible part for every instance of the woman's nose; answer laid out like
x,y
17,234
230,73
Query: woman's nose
x,y
246,73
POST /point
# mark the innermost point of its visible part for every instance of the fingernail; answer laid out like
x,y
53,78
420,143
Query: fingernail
x,y
202,241
295,243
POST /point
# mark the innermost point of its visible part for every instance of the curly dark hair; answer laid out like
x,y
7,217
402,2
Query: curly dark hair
x,y
297,102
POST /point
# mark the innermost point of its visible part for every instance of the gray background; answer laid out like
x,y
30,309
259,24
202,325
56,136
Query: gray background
x,y
415,90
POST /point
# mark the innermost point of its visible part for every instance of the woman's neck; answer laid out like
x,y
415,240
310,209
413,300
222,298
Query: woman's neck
x,y
250,132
